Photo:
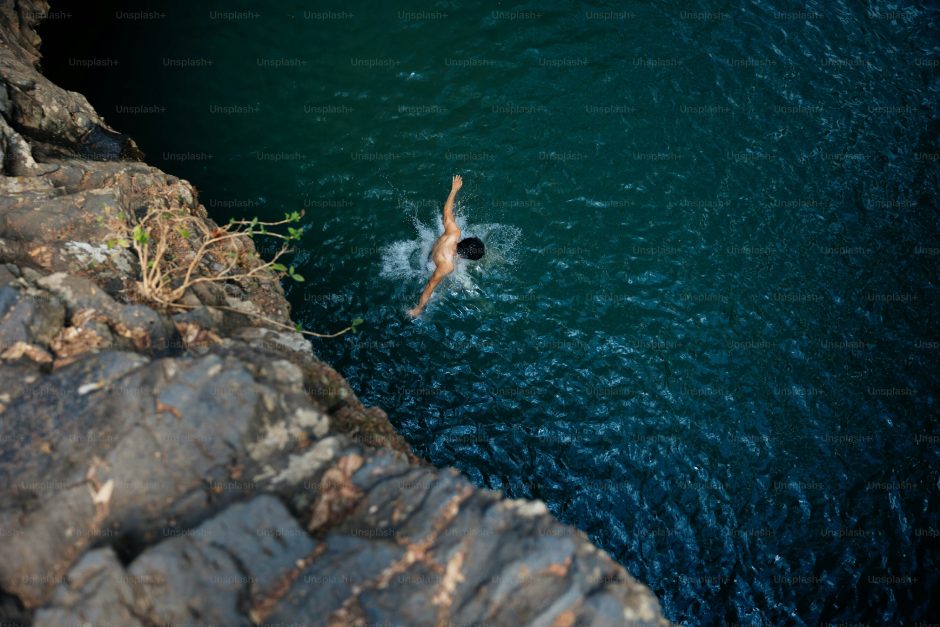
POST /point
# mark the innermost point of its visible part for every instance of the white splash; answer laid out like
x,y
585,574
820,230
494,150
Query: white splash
x,y
406,261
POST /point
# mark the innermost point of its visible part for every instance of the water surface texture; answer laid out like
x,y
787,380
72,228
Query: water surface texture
x,y
705,329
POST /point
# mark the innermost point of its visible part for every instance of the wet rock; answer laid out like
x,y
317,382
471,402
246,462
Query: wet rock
x,y
102,144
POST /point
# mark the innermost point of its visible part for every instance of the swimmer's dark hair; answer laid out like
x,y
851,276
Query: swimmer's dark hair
x,y
470,248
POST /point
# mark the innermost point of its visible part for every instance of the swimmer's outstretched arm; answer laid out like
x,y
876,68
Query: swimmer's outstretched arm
x,y
449,221
426,295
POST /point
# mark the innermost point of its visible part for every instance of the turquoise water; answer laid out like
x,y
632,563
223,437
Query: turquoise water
x,y
705,330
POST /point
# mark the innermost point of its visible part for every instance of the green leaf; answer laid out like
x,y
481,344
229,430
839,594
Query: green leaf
x,y
297,326
184,232
279,267
140,235
297,278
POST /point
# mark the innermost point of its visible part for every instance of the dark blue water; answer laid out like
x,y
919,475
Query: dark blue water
x,y
705,330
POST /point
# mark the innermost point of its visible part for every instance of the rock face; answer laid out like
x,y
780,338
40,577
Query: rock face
x,y
199,466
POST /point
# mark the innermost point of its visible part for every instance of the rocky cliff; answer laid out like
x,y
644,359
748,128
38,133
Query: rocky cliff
x,y
197,466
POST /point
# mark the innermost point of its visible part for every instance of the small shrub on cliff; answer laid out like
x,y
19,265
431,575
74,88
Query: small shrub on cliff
x,y
178,250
